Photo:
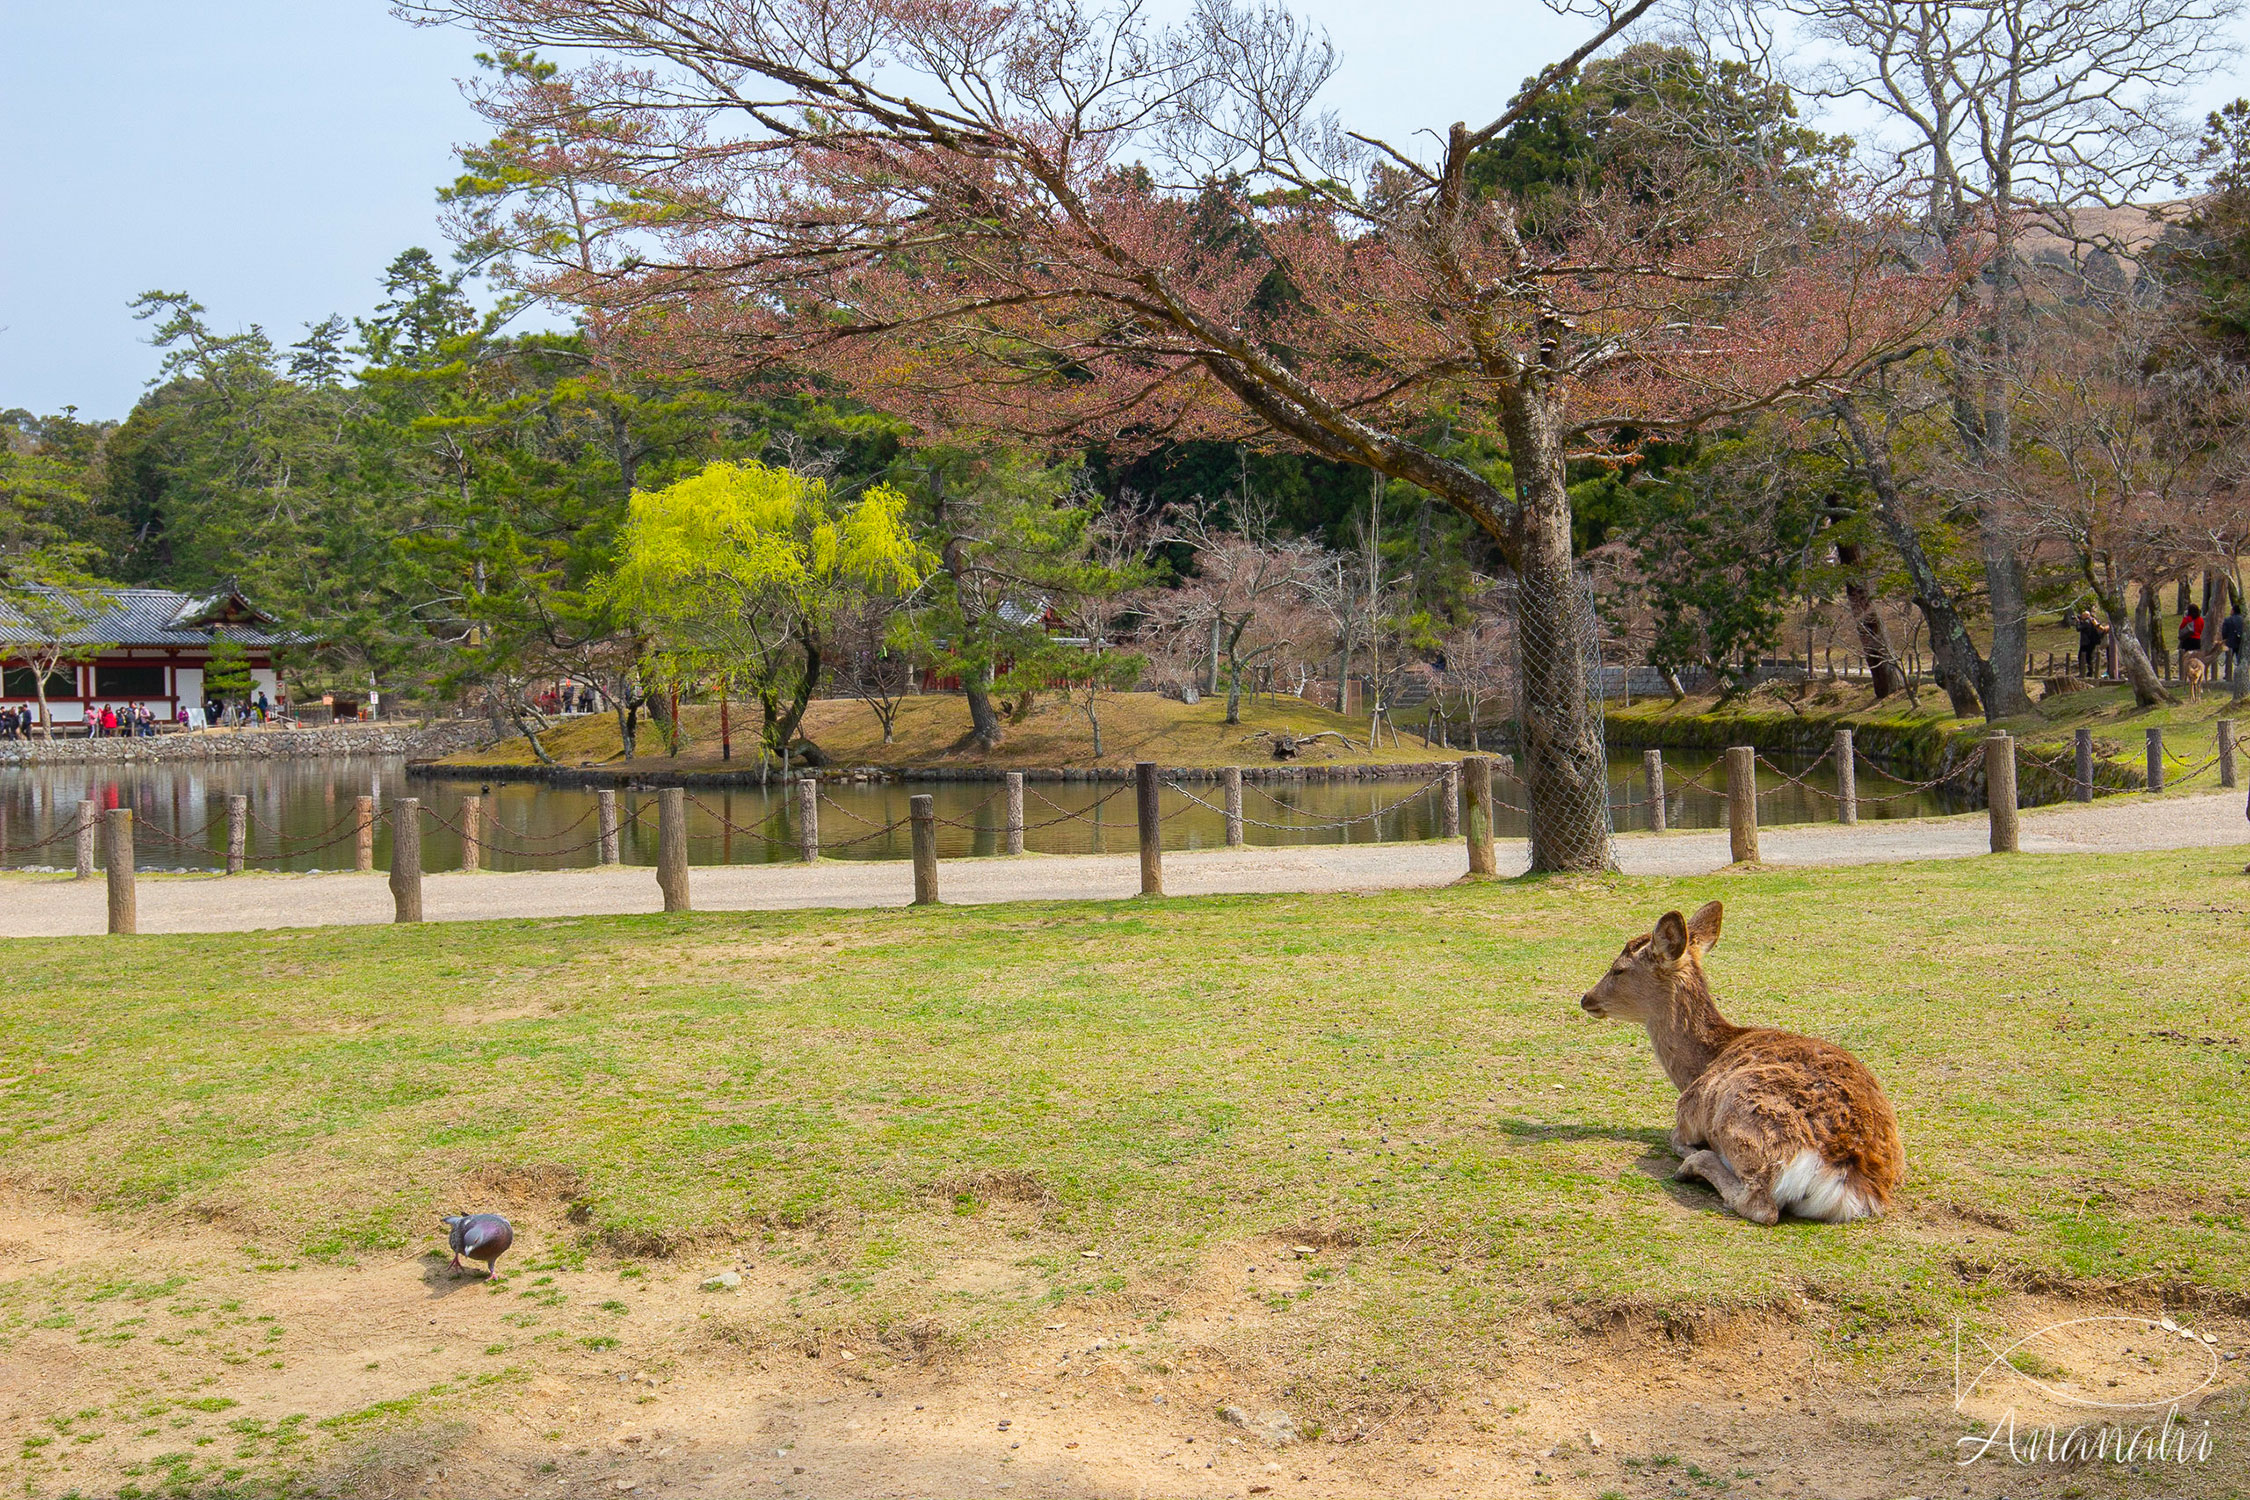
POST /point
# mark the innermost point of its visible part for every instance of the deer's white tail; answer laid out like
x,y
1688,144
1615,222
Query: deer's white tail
x,y
1813,1188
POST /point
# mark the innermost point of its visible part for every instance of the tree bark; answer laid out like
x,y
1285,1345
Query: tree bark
x,y
1981,416
2132,656
1952,653
2000,675
1565,765
1234,665
782,720
1874,636
976,684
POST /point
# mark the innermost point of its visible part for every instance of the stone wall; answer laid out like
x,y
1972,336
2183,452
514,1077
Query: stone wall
x,y
392,737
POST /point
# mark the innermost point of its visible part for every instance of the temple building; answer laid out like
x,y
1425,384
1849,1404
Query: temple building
x,y
141,646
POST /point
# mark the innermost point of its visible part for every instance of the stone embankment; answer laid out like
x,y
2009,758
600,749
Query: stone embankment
x,y
400,737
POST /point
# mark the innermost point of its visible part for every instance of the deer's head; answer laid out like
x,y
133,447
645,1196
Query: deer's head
x,y
1644,978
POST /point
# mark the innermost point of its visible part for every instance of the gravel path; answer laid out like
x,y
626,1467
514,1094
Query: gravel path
x,y
52,906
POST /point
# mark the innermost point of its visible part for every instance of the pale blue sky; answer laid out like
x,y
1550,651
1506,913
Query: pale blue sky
x,y
271,156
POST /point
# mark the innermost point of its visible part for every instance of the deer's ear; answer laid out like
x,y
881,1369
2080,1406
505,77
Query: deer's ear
x,y
1670,938
1703,927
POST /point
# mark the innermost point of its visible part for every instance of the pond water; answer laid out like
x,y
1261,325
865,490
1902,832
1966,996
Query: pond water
x,y
302,814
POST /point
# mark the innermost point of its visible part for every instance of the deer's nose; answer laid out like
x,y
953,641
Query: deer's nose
x,y
1591,1002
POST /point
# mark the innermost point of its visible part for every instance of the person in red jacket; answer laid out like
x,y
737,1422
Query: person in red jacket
x,y
2191,632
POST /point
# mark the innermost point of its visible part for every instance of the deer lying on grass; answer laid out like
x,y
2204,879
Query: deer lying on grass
x,y
1776,1122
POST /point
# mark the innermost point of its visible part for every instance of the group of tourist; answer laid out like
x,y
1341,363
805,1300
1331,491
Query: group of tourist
x,y
2092,632
132,721
569,698
138,720
254,710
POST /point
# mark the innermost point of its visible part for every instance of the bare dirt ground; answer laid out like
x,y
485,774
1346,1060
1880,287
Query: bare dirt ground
x,y
178,1358
52,906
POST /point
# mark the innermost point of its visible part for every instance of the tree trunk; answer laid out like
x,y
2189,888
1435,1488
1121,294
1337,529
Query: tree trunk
x,y
1565,765
1875,646
530,727
1233,656
976,684
2001,675
984,722
785,726
1952,653
628,723
2132,659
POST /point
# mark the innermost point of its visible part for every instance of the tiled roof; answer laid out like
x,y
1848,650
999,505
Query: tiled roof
x,y
158,617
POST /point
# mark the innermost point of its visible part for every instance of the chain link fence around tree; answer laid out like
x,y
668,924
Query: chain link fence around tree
x,y
1563,757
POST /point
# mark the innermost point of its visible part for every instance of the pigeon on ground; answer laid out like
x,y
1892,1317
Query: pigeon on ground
x,y
484,1237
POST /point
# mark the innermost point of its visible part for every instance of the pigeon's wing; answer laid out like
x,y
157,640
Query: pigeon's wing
x,y
488,1236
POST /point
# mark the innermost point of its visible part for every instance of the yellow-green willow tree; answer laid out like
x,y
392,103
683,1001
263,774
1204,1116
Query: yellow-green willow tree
x,y
740,572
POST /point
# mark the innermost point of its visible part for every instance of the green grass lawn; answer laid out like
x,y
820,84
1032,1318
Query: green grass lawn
x,y
1406,1076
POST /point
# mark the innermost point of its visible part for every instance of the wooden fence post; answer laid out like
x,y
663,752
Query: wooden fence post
x,y
922,812
2156,760
1479,780
1449,803
1015,812
1742,803
363,857
2082,783
2226,752
1652,764
671,847
472,844
1234,806
1847,778
1151,819
238,833
89,818
808,818
406,859
606,800
2000,791
117,853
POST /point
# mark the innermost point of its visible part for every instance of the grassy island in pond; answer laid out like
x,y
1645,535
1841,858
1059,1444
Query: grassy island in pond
x,y
933,734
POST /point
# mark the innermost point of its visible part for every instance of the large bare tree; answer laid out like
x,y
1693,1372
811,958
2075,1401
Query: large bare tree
x,y
2017,125
2132,447
1060,218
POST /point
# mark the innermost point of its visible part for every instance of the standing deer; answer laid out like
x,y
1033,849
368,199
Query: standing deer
x,y
1776,1122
